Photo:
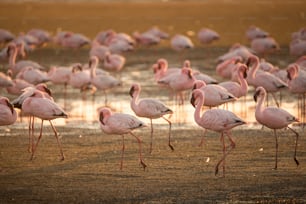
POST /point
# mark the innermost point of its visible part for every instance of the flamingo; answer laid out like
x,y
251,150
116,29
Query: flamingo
x,y
161,69
18,66
98,50
217,120
254,32
264,46
199,75
149,108
37,105
101,82
121,124
297,47
113,62
5,81
215,94
8,115
179,82
208,36
270,82
225,69
238,89
297,85
236,50
6,36
32,75
42,36
181,42
274,118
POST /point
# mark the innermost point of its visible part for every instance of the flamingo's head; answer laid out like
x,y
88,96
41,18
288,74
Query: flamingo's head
x,y
134,88
259,92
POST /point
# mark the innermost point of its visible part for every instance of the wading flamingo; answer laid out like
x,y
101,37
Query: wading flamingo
x,y
274,118
149,108
120,124
217,120
38,106
8,115
268,81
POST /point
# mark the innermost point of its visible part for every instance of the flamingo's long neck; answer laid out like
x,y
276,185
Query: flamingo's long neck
x,y
260,105
242,81
254,69
197,112
12,58
135,100
93,70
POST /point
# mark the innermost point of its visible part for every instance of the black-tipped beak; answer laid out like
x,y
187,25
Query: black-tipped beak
x,y
288,75
256,95
192,100
10,106
101,118
48,91
190,74
132,89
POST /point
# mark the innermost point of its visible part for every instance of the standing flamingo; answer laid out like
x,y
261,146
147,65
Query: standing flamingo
x,y
208,36
270,82
149,108
274,118
217,120
8,115
121,124
181,42
37,105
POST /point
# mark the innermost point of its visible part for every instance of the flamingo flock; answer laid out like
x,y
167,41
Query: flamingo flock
x,y
241,71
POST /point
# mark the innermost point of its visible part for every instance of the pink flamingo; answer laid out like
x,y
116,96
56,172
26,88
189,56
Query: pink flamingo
x,y
270,82
236,50
149,108
162,69
297,47
181,42
208,36
254,32
101,82
199,75
237,89
121,124
5,81
37,105
226,68
274,118
74,40
217,120
264,46
98,50
113,62
10,48
297,85
18,85
8,115
215,94
32,75
18,66
179,82
42,36
146,38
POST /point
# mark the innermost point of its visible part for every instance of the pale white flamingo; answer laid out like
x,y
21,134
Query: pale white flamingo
x,y
215,95
6,36
121,124
37,105
254,32
74,40
208,36
300,34
270,82
8,115
181,42
162,69
179,82
149,108
274,118
217,120
101,82
7,50
146,38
